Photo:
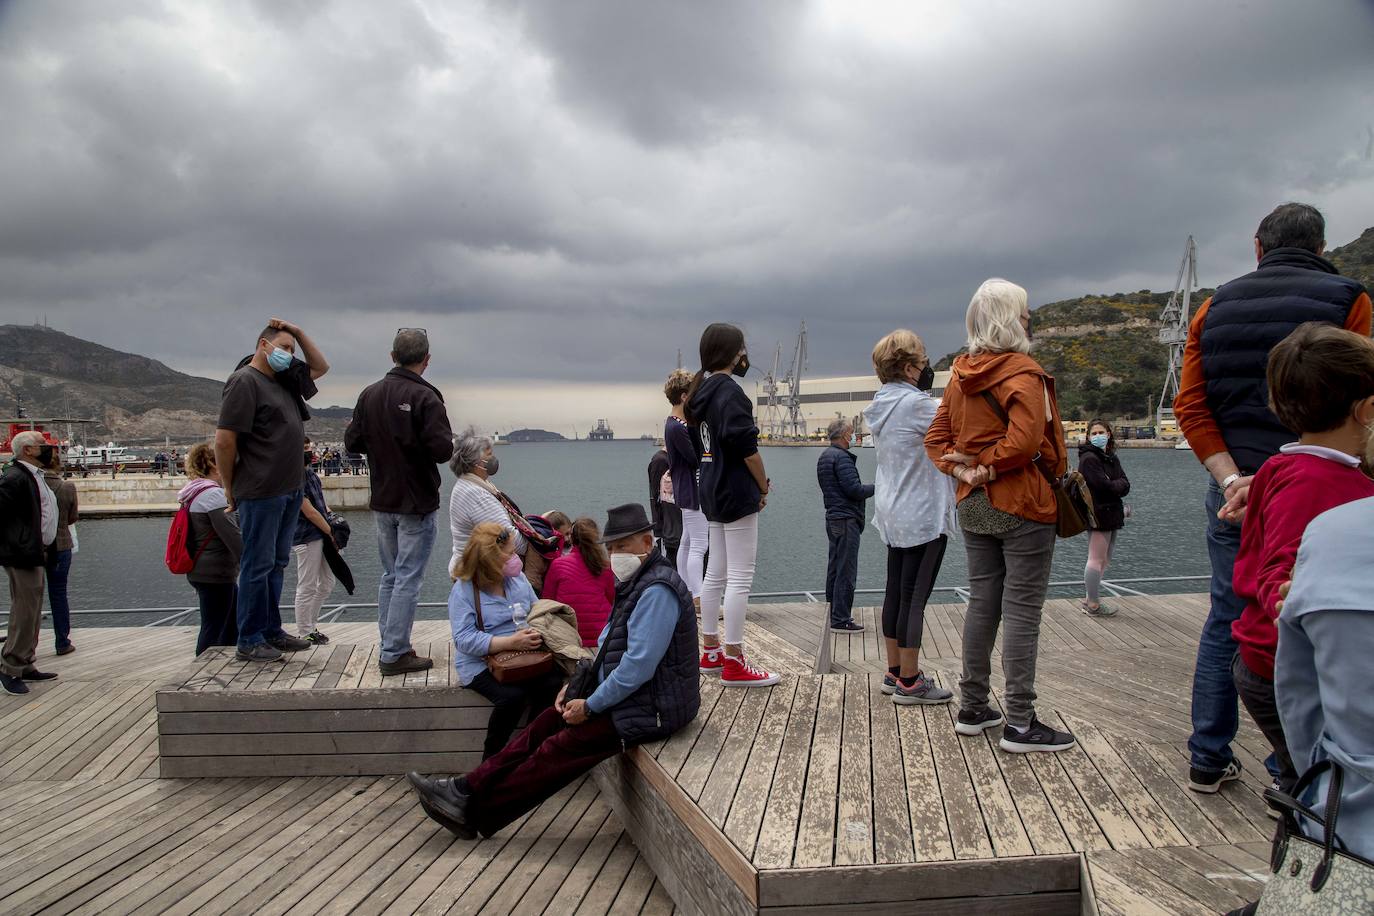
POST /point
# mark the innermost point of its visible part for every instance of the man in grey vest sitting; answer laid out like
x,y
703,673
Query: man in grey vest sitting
x,y
642,686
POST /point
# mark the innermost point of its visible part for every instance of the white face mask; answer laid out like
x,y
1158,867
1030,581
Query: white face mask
x,y
625,565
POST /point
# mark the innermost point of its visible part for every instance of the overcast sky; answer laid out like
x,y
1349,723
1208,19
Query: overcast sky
x,y
565,193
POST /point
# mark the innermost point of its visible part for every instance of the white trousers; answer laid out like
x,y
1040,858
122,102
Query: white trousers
x,y
314,581
691,551
729,574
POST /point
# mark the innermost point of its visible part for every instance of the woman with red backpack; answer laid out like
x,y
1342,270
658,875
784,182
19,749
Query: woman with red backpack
x,y
215,546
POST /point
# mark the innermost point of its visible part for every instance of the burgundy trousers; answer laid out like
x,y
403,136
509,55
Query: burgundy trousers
x,y
543,758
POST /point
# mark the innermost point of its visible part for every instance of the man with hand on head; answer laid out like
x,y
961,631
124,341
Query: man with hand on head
x,y
642,686
28,527
258,448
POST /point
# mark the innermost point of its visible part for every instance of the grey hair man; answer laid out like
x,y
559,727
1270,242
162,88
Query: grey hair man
x,y
844,495
475,499
401,424
28,528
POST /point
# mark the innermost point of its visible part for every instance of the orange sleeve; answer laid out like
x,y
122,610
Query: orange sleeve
x,y
1190,406
1359,318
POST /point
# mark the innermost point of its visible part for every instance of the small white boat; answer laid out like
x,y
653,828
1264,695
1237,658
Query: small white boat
x,y
96,455
1182,446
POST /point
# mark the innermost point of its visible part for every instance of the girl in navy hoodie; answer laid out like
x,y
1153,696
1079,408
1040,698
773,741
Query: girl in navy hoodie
x,y
733,488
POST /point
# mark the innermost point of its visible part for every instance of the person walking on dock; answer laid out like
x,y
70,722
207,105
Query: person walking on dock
x,y
28,528
1222,408
1100,466
913,509
401,424
642,686
844,495
999,434
733,491
258,453
58,565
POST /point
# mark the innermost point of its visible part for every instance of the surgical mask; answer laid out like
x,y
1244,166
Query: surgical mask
x,y
1099,441
279,359
926,380
742,366
513,566
309,458
492,465
625,565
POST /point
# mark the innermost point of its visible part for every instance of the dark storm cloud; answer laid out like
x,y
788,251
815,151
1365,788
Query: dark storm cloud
x,y
571,190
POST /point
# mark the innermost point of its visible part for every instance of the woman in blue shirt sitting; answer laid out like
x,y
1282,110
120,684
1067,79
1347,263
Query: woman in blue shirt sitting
x,y
490,565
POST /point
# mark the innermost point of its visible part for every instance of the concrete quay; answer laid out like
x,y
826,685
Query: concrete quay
x,y
134,495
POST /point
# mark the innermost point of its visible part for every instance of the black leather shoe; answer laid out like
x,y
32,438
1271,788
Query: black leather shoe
x,y
290,644
33,674
445,802
406,664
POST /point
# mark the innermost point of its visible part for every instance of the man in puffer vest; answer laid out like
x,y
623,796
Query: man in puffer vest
x,y
1223,409
642,686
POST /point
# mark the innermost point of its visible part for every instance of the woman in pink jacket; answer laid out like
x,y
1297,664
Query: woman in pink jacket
x,y
582,579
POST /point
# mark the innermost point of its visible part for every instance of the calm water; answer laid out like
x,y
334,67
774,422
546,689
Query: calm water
x,y
121,560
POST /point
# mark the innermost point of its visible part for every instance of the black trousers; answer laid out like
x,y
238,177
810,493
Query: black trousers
x,y
510,702
1257,694
219,623
911,573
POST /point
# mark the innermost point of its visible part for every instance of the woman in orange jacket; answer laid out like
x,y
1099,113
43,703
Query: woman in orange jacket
x,y
998,433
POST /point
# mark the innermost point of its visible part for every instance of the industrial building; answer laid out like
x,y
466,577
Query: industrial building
x,y
823,399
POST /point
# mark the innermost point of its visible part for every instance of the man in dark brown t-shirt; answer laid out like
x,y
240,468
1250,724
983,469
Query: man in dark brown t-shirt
x,y
258,452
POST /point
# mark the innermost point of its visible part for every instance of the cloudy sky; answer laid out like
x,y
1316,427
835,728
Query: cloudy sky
x,y
564,193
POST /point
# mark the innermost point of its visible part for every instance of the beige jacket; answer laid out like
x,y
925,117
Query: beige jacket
x,y
557,623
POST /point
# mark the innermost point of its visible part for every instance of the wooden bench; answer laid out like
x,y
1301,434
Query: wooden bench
x,y
325,712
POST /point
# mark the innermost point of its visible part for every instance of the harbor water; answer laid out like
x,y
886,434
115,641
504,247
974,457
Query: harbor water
x,y
120,563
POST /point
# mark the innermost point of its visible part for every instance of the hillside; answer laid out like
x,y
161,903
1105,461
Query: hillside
x,y
1104,350
132,398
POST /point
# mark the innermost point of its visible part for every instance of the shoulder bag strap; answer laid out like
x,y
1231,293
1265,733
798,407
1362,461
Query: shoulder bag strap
x,y
477,605
1006,421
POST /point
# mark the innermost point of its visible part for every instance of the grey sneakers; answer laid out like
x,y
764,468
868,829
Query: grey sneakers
x,y
924,692
262,652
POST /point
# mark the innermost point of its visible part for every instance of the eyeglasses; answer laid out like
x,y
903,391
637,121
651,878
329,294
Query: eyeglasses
x,y
421,330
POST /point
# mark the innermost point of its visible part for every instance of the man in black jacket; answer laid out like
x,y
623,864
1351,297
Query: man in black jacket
x,y
844,495
401,425
642,686
28,527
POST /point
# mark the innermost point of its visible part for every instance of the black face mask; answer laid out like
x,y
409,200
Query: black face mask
x,y
926,380
309,458
1030,332
742,366
45,455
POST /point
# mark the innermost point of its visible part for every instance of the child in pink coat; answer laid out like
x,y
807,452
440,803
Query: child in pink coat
x,y
582,579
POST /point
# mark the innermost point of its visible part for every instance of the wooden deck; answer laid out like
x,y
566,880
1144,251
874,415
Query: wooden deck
x,y
819,791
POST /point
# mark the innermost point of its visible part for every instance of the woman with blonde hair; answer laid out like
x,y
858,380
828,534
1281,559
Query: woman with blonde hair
x,y
489,582
216,546
913,509
998,433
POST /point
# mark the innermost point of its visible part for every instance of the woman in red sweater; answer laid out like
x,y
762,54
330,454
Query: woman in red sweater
x,y
1321,386
582,579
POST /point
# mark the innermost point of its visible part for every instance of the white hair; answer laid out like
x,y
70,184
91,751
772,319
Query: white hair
x,y
994,318
837,428
29,437
468,448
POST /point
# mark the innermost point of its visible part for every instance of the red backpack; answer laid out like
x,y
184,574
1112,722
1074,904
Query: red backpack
x,y
179,558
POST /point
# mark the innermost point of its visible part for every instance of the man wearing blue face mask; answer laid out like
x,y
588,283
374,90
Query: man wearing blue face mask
x,y
258,449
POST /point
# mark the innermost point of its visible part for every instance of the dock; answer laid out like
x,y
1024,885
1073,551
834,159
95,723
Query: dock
x,y
145,781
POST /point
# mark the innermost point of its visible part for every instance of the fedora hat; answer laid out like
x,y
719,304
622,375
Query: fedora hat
x,y
623,521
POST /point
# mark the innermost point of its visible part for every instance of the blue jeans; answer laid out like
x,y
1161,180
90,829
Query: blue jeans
x,y
268,526
1216,713
58,565
404,542
842,567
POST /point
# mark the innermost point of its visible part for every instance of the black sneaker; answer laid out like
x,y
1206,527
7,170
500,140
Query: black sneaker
x,y
13,685
1036,737
848,626
1208,782
317,638
33,674
288,643
975,723
262,652
445,801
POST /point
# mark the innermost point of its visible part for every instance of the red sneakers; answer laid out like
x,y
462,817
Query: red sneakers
x,y
712,660
739,673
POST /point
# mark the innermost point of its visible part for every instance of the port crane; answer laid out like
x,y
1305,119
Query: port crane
x,y
772,407
1173,333
795,423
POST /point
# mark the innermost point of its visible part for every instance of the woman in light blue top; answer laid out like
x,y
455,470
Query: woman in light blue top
x,y
1321,670
489,572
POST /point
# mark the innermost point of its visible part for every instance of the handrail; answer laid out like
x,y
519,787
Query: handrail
x,y
174,615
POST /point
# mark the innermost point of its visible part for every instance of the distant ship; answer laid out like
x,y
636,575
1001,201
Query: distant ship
x,y
601,433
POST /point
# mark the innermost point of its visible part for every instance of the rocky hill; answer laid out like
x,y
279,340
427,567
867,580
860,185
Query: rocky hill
x,y
132,398
1104,350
